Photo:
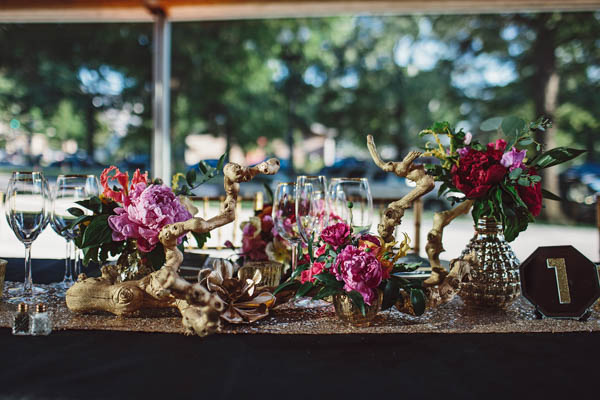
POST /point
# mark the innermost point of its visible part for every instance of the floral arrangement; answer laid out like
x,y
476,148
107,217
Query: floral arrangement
x,y
500,177
127,217
356,265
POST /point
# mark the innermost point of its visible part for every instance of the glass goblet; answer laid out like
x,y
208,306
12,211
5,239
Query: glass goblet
x,y
68,190
350,200
26,205
284,217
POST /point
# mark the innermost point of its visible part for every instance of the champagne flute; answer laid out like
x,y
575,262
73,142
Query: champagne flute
x,y
68,190
350,200
284,217
25,206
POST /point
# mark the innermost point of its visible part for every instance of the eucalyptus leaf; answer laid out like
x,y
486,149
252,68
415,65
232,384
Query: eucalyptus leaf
x,y
491,124
515,173
512,127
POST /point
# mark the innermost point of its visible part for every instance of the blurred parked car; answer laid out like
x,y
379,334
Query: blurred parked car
x,y
579,187
76,162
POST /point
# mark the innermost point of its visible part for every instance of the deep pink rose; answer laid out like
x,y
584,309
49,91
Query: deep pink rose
x,y
336,235
359,271
309,274
145,212
478,171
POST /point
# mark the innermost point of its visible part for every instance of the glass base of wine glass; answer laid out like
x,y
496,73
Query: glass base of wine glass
x,y
61,287
308,302
17,295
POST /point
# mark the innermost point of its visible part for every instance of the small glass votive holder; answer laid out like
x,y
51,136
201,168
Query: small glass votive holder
x,y
271,272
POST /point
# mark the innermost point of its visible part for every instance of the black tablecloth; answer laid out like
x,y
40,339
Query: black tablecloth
x,y
108,365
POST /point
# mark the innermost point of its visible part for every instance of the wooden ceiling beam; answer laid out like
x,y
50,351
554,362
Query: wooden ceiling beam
x,y
187,10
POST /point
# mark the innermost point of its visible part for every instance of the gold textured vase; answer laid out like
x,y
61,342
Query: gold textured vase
x,y
349,313
495,281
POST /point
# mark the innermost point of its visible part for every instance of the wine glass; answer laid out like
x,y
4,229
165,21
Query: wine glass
x,y
68,190
284,217
26,205
350,200
311,205
311,217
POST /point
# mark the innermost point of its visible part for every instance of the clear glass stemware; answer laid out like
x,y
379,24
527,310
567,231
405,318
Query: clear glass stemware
x,y
284,217
350,200
26,205
68,190
312,213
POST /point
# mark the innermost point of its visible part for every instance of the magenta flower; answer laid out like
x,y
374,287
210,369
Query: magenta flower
x,y
513,159
463,151
144,213
359,271
336,235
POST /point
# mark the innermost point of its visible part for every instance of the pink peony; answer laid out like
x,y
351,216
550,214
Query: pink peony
x,y
359,271
336,235
144,213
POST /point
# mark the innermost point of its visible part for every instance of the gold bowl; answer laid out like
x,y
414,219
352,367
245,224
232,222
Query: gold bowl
x,y
349,313
271,272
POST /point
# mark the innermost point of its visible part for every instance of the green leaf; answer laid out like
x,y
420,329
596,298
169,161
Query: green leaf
x,y
156,257
515,173
525,141
391,292
286,284
90,254
97,232
299,269
221,161
535,178
329,280
491,124
77,212
358,301
190,177
550,196
418,300
201,238
304,288
523,181
326,291
555,156
203,167
512,126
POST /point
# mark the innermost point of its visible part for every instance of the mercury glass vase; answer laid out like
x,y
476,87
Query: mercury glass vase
x,y
495,281
271,272
349,313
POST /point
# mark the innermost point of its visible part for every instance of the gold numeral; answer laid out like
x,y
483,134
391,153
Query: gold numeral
x,y
562,282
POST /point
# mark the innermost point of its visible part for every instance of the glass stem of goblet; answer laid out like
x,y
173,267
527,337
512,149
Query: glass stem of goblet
x,y
28,282
68,278
294,255
77,266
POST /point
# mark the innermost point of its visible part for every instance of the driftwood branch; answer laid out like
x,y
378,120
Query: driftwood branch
x,y
199,308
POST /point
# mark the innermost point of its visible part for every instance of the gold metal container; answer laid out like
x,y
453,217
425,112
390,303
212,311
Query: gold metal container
x,y
495,281
2,275
271,272
349,313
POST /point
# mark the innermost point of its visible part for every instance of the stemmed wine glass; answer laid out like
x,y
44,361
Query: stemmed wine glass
x,y
312,213
312,217
26,206
284,217
68,190
350,200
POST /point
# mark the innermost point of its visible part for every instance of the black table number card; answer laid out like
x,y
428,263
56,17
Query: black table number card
x,y
560,282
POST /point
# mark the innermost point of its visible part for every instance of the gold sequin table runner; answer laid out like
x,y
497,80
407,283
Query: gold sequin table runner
x,y
286,319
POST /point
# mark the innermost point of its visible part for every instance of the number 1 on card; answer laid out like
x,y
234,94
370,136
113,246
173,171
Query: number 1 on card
x,y
562,282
